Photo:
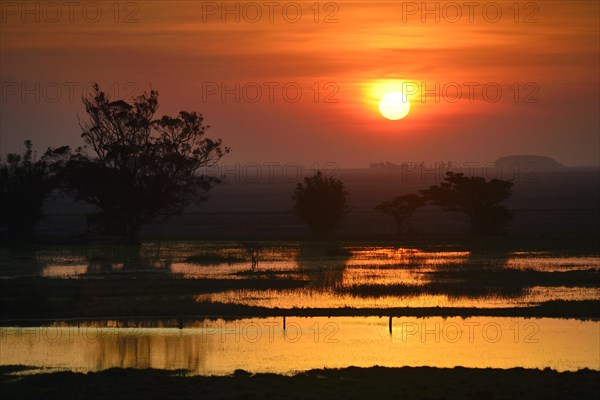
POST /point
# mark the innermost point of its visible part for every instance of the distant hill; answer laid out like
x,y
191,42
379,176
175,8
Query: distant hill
x,y
542,163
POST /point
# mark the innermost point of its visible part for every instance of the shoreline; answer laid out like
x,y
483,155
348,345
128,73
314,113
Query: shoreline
x,y
579,310
347,383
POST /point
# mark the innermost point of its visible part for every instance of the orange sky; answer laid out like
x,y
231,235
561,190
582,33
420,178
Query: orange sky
x,y
189,52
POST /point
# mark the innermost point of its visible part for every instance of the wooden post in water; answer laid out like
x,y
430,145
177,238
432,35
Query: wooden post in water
x,y
390,325
284,322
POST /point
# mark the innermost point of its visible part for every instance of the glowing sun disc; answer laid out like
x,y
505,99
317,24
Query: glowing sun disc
x,y
394,106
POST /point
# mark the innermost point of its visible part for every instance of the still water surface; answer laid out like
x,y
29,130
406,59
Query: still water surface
x,y
336,275
217,347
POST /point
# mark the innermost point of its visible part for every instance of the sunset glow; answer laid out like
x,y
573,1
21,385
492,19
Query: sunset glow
x,y
323,75
394,105
352,199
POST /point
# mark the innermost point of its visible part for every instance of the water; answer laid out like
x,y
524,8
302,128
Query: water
x,y
323,276
321,298
218,347
334,275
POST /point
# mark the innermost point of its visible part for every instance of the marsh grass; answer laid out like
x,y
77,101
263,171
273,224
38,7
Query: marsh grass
x,y
347,383
138,280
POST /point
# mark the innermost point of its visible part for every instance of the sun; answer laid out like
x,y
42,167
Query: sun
x,y
391,98
394,106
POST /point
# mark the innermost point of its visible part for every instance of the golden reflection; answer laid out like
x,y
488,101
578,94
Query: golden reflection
x,y
538,262
405,256
261,344
231,271
308,298
373,276
63,271
390,277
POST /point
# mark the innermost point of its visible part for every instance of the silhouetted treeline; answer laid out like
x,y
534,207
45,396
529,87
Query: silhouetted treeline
x,y
474,196
137,169
25,183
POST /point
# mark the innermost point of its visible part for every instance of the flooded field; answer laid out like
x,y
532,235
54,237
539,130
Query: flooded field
x,y
335,275
196,306
219,347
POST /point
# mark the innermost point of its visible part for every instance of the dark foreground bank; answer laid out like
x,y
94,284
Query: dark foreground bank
x,y
348,383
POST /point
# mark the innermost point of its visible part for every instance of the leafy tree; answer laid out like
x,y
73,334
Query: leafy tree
x,y
141,169
474,196
320,202
25,184
401,208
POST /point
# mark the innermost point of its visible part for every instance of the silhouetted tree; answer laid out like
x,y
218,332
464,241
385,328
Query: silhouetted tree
x,y
474,196
142,169
321,202
401,208
25,184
